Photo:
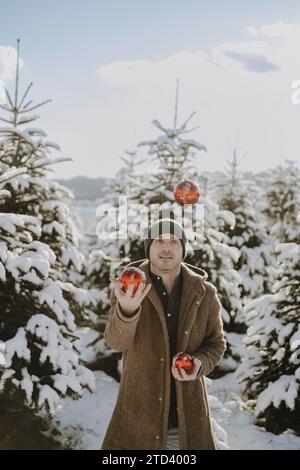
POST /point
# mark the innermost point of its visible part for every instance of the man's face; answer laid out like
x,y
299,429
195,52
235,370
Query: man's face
x,y
166,252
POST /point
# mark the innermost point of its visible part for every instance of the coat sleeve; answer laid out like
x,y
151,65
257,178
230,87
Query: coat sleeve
x,y
214,344
120,330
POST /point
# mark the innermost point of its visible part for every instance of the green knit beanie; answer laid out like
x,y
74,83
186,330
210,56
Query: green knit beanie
x,y
161,226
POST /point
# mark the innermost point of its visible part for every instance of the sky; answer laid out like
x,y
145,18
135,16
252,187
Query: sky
x,y
110,69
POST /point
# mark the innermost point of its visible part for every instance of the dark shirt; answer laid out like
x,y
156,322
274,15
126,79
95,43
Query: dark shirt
x,y
171,306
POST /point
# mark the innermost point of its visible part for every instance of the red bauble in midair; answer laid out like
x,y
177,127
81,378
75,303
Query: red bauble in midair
x,y
187,192
184,361
131,276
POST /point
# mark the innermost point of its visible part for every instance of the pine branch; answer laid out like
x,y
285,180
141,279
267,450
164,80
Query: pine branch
x,y
33,107
51,162
27,104
17,76
190,130
187,120
26,92
11,173
5,108
9,99
6,120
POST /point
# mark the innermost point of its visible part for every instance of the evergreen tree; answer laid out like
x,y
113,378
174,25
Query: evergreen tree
x,y
270,370
248,234
38,252
282,204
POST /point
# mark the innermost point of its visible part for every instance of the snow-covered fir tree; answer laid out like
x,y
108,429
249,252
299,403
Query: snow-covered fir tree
x,y
282,204
240,196
106,254
105,258
38,253
37,195
270,370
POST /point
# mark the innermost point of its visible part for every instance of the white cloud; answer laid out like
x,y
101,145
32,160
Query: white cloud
x,y
225,90
253,31
8,60
223,86
282,30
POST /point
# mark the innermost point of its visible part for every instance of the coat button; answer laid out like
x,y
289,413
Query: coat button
x,y
186,332
156,437
160,398
197,302
161,359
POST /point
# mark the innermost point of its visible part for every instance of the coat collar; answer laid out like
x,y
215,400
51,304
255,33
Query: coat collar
x,y
192,293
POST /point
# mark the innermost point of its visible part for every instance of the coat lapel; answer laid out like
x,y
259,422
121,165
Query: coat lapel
x,y
192,293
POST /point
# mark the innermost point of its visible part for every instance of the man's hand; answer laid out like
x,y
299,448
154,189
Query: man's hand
x,y
181,374
130,303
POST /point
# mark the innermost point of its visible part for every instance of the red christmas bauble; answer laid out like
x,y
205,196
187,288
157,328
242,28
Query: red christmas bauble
x,y
131,276
184,361
187,192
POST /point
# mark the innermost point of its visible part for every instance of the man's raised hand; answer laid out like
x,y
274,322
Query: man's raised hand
x,y
130,303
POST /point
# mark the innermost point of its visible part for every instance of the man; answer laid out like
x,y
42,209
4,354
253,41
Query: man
x,y
177,310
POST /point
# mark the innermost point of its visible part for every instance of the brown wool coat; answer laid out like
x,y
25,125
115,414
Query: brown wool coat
x,y
140,416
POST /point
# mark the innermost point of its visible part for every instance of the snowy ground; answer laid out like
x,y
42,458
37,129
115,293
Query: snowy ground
x,y
82,423
231,413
